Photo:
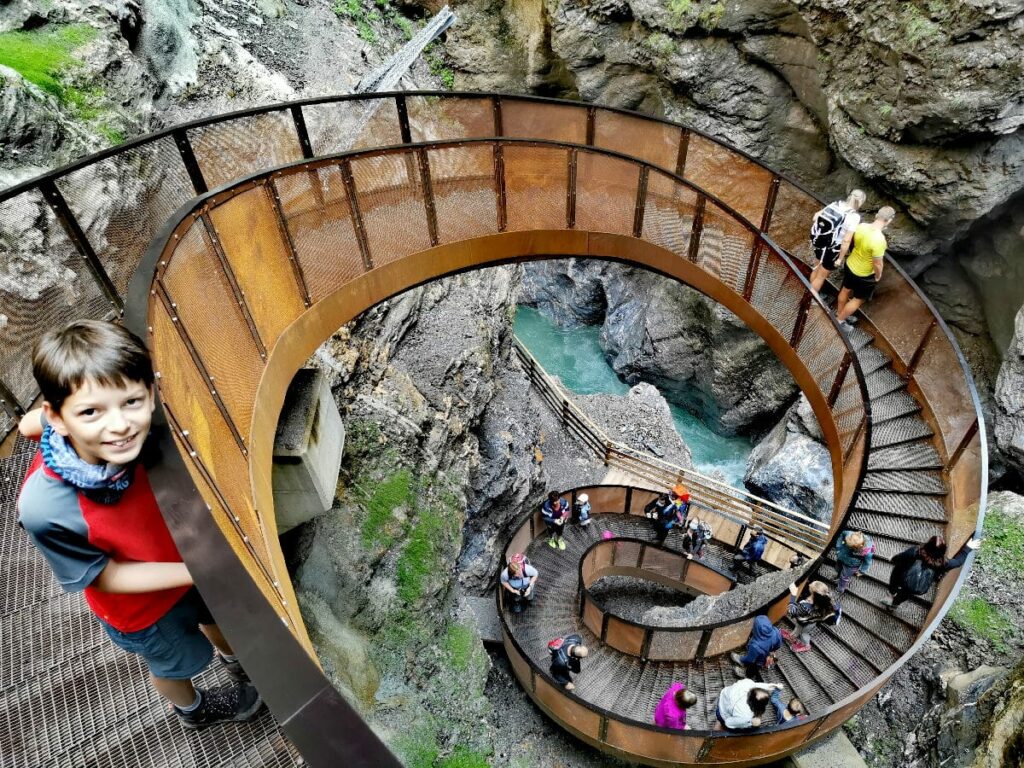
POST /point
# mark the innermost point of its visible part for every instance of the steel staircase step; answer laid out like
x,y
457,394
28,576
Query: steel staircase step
x,y
905,505
859,338
899,635
814,689
892,406
883,381
920,455
895,431
871,358
872,591
904,529
905,481
853,666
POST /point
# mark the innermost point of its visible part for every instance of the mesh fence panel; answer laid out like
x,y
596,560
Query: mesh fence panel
x,y
437,118
122,202
198,286
390,191
657,143
553,122
849,408
668,214
605,193
777,293
738,182
464,194
258,252
673,645
319,219
725,247
535,187
44,283
245,145
790,226
346,125
820,348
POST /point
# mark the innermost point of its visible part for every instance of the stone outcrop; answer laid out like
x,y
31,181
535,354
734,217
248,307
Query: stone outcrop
x,y
1009,399
791,466
659,331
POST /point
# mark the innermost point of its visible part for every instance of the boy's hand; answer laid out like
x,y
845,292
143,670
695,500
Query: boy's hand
x,y
974,543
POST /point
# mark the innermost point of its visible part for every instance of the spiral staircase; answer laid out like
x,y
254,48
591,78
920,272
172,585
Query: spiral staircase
x,y
235,245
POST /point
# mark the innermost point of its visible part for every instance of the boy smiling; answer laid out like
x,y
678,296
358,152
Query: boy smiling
x,y
87,505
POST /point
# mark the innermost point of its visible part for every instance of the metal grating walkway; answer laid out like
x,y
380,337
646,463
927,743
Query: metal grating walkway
x,y
70,698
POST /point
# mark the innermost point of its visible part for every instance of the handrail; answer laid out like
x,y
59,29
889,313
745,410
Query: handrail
x,y
758,510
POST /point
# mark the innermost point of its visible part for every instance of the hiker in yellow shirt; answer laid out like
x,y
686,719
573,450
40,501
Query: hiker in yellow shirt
x,y
863,267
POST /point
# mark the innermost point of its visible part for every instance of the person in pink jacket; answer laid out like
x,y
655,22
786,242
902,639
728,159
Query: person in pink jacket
x,y
671,710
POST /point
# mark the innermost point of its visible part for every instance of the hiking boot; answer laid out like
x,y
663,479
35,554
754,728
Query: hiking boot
x,y
226,704
234,669
561,544
799,647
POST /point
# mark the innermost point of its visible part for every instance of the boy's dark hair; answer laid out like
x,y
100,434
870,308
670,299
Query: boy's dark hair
x,y
553,496
96,350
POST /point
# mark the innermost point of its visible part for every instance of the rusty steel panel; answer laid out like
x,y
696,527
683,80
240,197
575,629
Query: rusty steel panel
x,y
389,190
653,142
669,209
592,616
654,745
464,192
790,226
606,498
740,747
736,181
236,148
254,245
553,122
433,118
628,638
569,712
536,181
605,193
725,247
197,285
899,314
944,393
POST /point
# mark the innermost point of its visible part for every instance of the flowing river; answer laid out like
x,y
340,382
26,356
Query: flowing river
x,y
576,357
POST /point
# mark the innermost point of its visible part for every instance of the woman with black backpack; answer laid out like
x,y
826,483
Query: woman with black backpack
x,y
915,569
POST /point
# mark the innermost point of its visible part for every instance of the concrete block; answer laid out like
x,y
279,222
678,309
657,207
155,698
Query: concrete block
x,y
836,751
308,445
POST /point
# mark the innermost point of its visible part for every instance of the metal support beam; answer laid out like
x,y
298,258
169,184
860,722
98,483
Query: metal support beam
x,y
357,217
570,191
752,267
964,442
919,352
188,157
837,383
300,130
286,235
428,195
641,201
684,147
769,205
698,227
801,321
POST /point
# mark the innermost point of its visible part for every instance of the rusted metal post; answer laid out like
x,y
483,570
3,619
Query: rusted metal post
x,y
428,195
591,124
752,267
641,201
837,384
684,146
188,157
698,227
499,187
919,352
357,217
301,131
403,119
801,321
769,203
856,436
570,192
293,259
81,243
964,442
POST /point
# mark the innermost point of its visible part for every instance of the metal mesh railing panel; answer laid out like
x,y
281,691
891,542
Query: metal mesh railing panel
x,y
725,247
605,193
551,122
434,118
318,216
390,191
195,282
536,180
341,126
790,226
821,347
674,645
236,148
946,392
736,181
628,638
44,283
258,252
776,293
122,202
848,410
668,214
653,142
464,193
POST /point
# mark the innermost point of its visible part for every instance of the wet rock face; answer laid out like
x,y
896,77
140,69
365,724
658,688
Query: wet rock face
x,y
791,466
1009,399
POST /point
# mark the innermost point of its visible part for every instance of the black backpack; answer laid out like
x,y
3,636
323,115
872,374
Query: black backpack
x,y
918,578
827,228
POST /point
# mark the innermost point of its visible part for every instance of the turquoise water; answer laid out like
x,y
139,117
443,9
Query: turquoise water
x,y
575,356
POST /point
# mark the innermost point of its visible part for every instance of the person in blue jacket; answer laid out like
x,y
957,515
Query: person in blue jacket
x,y
764,641
753,550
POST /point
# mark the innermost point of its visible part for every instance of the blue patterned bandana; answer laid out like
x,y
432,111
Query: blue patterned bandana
x,y
103,483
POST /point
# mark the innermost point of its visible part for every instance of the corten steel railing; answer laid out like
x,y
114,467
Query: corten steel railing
x,y
68,253
731,511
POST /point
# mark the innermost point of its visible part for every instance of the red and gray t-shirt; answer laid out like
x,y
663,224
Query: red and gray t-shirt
x,y
78,537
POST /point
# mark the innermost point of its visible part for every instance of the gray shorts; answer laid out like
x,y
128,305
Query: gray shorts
x,y
173,647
